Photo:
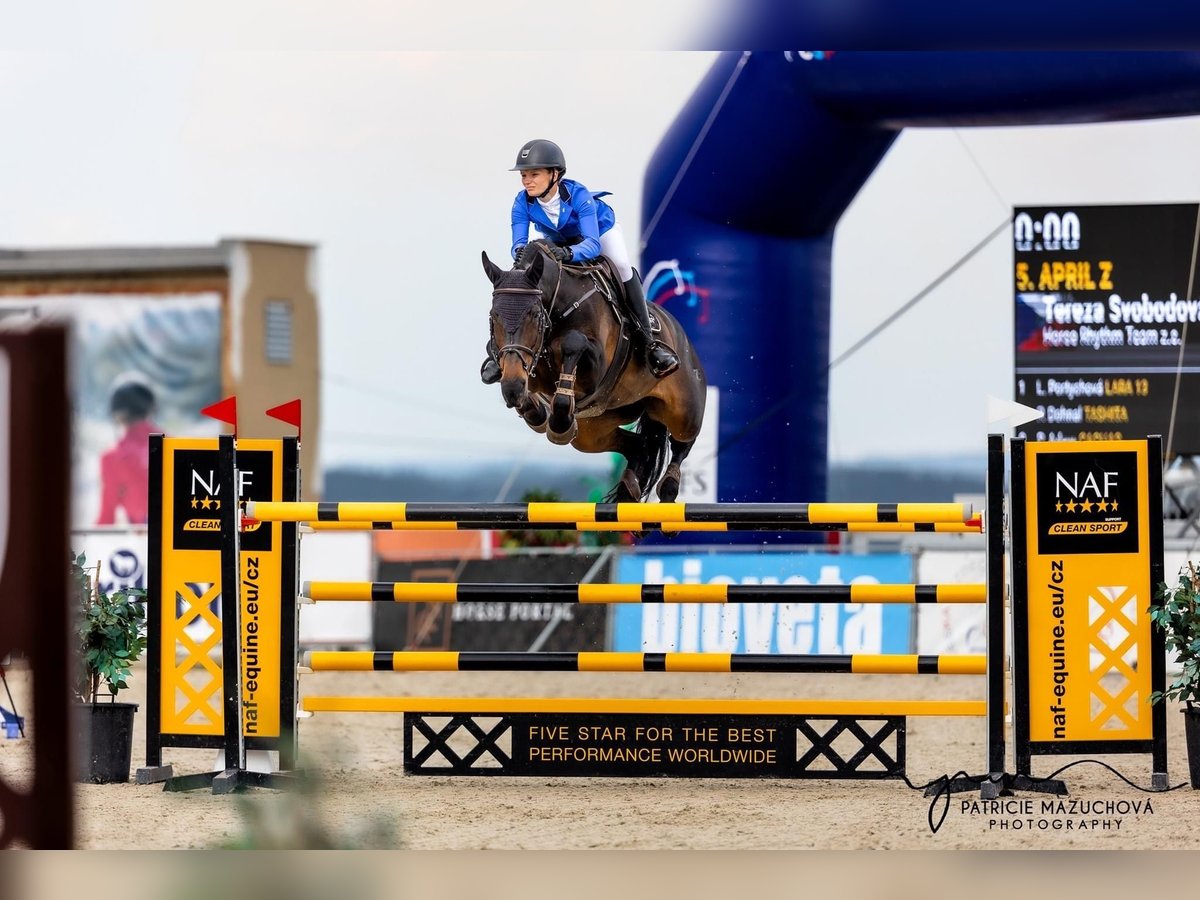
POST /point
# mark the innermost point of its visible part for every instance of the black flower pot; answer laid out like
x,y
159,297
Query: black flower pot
x,y
1191,730
105,741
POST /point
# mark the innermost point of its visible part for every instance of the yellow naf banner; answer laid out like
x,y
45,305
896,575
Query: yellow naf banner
x,y
185,655
1087,553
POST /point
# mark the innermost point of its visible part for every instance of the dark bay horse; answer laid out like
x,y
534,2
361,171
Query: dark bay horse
x,y
568,370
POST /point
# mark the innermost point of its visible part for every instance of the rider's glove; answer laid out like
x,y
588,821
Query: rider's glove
x,y
562,254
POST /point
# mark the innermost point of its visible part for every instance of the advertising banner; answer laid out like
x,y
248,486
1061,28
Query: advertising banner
x,y
1081,600
793,628
699,482
185,699
951,628
121,556
337,556
527,625
140,364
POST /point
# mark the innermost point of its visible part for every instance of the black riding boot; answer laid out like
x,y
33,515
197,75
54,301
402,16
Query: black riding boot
x,y
660,359
489,372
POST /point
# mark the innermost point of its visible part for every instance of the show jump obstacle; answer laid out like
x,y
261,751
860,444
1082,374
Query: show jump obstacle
x,y
1085,552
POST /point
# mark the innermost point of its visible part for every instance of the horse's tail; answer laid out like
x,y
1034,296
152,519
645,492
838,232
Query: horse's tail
x,y
650,465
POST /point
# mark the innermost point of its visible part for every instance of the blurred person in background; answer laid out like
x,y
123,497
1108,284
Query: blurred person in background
x,y
125,467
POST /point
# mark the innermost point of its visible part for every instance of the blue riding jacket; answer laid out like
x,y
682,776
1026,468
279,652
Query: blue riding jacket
x,y
583,217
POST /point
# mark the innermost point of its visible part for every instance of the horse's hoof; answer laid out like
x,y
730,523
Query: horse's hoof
x,y
668,486
530,412
628,489
564,437
668,490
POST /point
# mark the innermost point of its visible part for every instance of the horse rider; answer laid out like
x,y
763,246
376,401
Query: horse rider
x,y
582,226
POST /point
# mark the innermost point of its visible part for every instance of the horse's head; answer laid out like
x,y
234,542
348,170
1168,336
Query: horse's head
x,y
519,323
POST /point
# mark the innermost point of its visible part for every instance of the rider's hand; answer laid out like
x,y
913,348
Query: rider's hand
x,y
562,254
520,250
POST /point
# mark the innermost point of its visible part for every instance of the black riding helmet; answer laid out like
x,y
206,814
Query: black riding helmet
x,y
541,154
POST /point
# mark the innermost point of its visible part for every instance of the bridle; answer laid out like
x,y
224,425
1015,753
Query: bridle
x,y
545,321
533,353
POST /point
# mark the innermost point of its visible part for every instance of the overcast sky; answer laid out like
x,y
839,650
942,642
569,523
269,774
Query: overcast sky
x,y
395,165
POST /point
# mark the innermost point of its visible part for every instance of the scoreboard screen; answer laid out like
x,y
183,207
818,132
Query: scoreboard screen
x,y
1108,322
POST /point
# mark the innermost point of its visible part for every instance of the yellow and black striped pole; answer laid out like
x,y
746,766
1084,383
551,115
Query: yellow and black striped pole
x,y
464,661
453,592
696,706
972,526
485,515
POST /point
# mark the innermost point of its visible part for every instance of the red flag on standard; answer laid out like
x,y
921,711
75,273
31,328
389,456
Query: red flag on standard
x,y
287,412
223,411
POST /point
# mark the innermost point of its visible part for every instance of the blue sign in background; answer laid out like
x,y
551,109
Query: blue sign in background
x,y
764,627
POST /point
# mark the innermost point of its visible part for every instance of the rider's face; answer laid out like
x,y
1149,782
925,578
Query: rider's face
x,y
535,181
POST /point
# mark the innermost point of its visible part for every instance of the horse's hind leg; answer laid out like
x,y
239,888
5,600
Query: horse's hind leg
x,y
632,446
668,485
604,435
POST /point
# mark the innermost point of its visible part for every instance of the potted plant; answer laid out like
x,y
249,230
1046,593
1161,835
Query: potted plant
x,y
1178,615
110,634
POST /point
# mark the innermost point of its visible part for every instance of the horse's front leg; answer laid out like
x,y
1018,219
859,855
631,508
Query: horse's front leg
x,y
535,411
563,426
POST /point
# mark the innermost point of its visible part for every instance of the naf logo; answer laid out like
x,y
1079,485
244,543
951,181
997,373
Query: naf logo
x,y
1087,502
198,500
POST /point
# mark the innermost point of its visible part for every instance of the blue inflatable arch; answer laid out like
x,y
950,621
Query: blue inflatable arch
x,y
747,272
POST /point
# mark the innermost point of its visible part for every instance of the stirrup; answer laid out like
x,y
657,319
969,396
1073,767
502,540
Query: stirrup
x,y
489,372
666,365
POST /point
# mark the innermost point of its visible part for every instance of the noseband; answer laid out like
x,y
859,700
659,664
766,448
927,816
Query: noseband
x,y
522,352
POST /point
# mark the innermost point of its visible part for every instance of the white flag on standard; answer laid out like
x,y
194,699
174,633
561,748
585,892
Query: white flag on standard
x,y
1006,411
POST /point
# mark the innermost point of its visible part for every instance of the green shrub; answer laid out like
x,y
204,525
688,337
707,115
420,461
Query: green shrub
x,y
110,633
1179,618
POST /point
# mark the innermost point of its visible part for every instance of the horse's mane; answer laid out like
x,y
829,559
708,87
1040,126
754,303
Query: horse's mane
x,y
525,257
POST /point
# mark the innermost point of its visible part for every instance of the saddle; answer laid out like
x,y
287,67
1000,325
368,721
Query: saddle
x,y
608,283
